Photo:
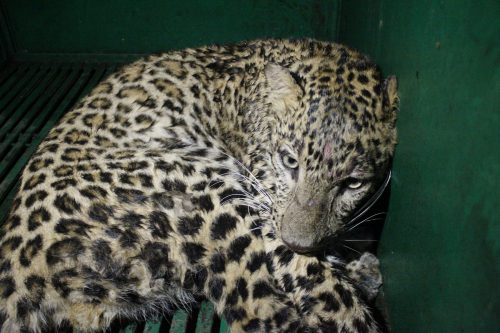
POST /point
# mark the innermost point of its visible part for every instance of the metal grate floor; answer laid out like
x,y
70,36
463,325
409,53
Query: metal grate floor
x,y
33,97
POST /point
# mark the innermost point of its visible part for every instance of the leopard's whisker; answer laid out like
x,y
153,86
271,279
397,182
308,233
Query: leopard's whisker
x,y
257,186
368,217
246,202
364,221
254,185
232,197
350,248
255,182
215,182
332,259
254,178
249,197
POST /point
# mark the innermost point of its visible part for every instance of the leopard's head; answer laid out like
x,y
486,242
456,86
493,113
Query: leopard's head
x,y
333,136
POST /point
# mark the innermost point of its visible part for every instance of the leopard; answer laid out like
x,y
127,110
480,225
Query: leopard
x,y
212,172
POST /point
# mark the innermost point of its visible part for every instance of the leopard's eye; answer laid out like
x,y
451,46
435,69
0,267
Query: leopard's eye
x,y
354,183
289,161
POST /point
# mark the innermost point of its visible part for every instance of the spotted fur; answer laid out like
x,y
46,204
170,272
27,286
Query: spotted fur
x,y
173,179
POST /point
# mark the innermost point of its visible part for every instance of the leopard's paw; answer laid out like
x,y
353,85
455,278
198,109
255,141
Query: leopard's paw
x,y
366,273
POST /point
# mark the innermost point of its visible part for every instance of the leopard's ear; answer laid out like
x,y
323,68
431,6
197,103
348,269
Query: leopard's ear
x,y
283,88
391,97
391,92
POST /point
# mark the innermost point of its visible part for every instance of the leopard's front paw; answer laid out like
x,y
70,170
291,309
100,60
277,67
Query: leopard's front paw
x,y
366,273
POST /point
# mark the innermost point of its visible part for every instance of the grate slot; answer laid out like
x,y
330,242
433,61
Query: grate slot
x,y
7,73
71,78
13,166
14,92
165,323
38,112
91,76
97,76
32,114
62,83
14,109
26,110
11,81
129,329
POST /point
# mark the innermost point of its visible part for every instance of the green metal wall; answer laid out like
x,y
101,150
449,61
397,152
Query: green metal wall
x,y
131,26
441,243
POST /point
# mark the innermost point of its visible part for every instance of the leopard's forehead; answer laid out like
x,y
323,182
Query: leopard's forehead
x,y
342,123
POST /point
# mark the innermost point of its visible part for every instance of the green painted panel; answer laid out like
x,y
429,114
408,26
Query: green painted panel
x,y
224,327
179,322
441,246
152,327
128,26
205,318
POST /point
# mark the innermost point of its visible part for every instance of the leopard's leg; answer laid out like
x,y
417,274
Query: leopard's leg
x,y
237,281
326,296
254,294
